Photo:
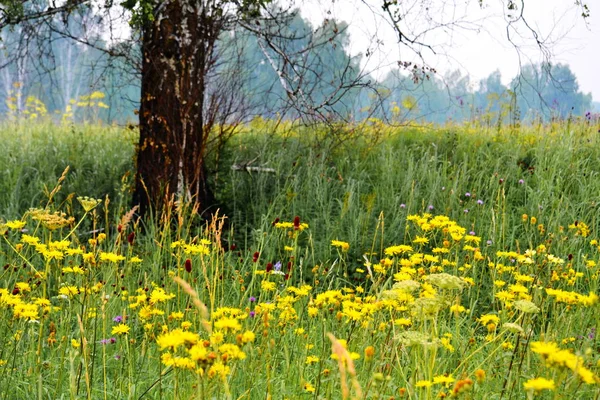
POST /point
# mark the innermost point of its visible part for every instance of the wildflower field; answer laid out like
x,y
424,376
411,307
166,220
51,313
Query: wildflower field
x,y
400,263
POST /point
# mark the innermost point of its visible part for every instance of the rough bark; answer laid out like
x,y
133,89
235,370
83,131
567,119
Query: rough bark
x,y
178,48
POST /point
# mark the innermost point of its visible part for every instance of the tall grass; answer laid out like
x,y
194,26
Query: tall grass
x,y
34,156
496,284
551,174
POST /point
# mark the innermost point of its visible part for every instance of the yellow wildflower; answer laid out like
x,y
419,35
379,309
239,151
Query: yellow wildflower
x,y
30,240
267,286
312,360
539,384
23,286
342,245
111,257
248,337
226,323
15,225
420,240
121,329
175,338
69,291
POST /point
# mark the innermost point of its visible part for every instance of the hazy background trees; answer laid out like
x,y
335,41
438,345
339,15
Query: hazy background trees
x,y
62,73
42,64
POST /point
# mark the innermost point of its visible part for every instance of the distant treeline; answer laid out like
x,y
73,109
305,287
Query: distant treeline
x,y
56,77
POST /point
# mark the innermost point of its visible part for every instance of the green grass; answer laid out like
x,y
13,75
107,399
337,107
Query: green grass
x,y
532,189
35,155
343,191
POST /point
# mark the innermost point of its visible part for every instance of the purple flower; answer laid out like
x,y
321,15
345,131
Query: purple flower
x,y
117,357
252,314
277,266
430,207
480,202
252,299
489,242
521,181
108,341
466,210
402,205
118,319
467,194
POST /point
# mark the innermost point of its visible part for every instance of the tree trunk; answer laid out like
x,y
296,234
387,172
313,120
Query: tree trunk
x,y
177,48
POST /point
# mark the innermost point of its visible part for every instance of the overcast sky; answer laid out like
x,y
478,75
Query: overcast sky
x,y
480,45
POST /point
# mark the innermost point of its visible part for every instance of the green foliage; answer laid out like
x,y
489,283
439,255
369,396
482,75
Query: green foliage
x,y
143,10
12,10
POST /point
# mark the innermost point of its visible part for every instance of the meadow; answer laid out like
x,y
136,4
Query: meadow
x,y
380,263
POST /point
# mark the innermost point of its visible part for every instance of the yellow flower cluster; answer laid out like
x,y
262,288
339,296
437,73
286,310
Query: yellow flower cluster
x,y
344,246
210,356
23,309
580,228
563,296
201,248
539,384
290,225
558,358
51,220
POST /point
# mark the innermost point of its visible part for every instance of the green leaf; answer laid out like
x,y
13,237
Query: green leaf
x,y
129,4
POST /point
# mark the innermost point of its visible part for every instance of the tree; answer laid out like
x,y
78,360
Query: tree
x,y
489,97
190,80
179,51
549,90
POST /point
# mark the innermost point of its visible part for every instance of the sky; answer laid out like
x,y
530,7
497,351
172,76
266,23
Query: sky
x,y
479,45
